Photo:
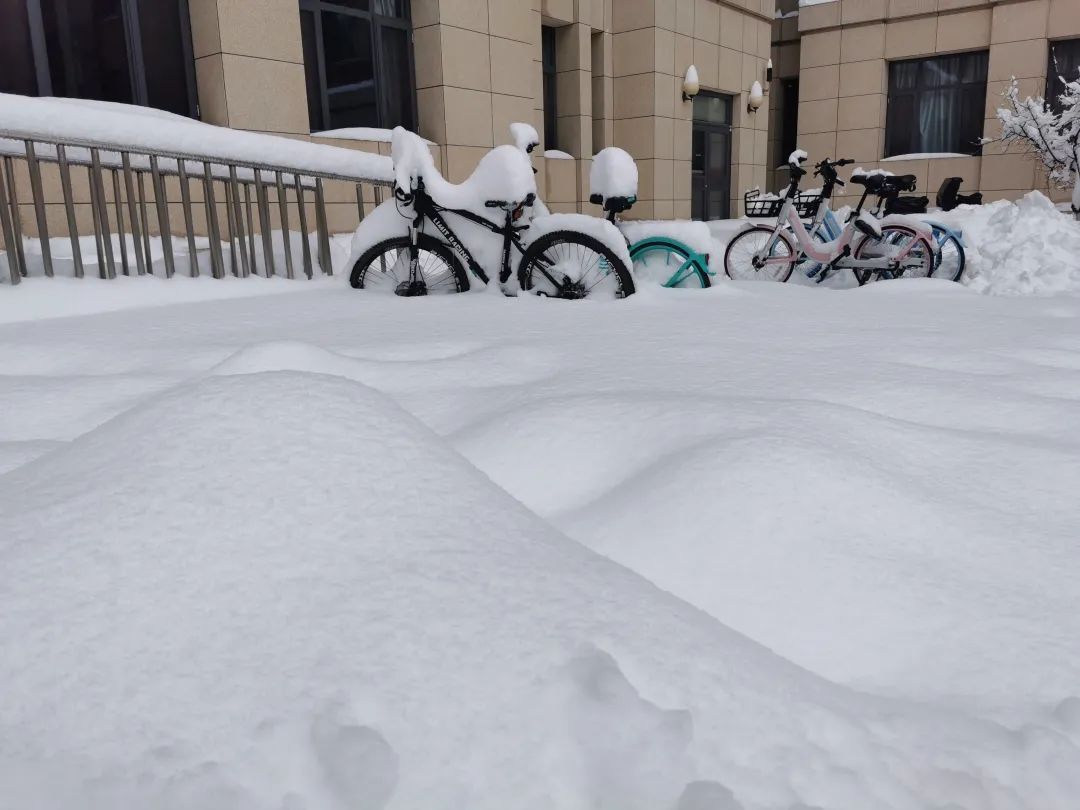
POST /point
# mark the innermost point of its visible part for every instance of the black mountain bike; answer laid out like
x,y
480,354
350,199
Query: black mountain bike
x,y
559,264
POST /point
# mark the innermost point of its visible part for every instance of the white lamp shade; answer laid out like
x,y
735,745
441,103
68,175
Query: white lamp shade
x,y
691,85
756,96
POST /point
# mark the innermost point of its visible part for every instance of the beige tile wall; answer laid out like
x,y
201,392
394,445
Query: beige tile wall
x,y
249,64
844,49
655,41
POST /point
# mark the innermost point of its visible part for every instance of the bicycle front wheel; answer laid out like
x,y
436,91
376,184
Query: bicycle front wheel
x,y
385,268
742,262
915,256
572,265
669,262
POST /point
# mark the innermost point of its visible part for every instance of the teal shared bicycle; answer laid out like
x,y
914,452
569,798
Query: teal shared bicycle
x,y
659,256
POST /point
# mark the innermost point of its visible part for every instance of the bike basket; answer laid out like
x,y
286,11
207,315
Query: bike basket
x,y
807,204
757,206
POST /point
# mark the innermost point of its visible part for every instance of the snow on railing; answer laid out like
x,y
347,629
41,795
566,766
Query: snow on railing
x,y
126,145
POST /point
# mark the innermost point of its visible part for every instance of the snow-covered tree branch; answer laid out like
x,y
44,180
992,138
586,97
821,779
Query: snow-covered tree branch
x,y
1051,135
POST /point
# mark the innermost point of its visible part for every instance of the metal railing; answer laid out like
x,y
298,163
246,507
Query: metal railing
x,y
118,178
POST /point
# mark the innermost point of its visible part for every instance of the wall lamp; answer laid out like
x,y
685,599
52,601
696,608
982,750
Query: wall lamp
x,y
755,99
690,85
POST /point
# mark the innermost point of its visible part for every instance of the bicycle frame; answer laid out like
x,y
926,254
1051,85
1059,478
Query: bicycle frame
x,y
830,226
425,208
835,253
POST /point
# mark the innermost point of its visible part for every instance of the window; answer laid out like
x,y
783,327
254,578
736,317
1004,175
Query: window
x,y
358,63
789,118
1064,64
936,105
130,51
547,48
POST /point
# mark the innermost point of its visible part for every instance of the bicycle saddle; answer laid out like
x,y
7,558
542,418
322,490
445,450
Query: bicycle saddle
x,y
871,181
613,204
886,183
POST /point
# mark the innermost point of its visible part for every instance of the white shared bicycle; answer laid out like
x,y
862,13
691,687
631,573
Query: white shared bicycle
x,y
895,247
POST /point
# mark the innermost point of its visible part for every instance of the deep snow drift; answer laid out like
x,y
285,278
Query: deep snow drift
x,y
276,579
284,611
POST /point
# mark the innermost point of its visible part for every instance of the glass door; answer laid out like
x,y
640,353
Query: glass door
x,y
710,178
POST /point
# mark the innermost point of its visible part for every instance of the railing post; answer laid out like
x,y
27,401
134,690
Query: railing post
x,y
120,222
305,245
16,219
286,237
213,230
101,209
238,217
189,223
39,206
230,223
360,201
69,209
264,225
8,233
133,214
252,255
145,224
161,202
99,246
320,226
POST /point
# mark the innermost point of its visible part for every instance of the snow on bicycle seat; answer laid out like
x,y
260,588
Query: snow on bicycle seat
x,y
613,179
502,179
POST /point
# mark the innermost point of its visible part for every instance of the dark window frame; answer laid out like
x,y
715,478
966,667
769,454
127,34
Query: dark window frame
x,y
135,58
789,118
549,69
1054,87
377,22
902,133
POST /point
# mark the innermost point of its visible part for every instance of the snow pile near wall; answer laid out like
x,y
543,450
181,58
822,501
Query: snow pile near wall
x,y
325,607
1024,248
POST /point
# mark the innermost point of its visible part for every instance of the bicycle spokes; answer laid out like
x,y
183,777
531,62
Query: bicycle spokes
x,y
397,272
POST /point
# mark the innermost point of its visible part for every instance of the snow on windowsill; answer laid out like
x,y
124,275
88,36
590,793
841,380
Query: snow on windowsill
x,y
557,154
372,134
926,156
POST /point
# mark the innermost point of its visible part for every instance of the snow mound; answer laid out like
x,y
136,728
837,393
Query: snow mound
x,y
279,590
1024,248
881,522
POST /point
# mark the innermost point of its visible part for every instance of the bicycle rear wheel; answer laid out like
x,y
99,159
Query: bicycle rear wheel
x,y
951,259
573,265
670,262
894,240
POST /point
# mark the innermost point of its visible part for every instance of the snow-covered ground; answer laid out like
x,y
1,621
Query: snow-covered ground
x,y
761,546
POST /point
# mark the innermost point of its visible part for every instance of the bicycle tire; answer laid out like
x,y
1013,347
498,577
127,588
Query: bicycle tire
x,y
690,266
456,279
756,232
952,260
551,254
864,276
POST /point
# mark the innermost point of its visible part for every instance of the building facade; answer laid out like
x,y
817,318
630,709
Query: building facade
x,y
586,73
908,85
913,85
